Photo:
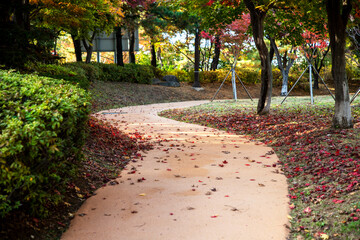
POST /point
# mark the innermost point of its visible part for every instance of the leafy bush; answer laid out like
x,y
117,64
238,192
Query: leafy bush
x,y
92,71
352,72
249,75
182,75
209,76
132,73
72,74
42,125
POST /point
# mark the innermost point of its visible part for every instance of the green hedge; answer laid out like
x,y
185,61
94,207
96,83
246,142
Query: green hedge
x,y
42,123
247,75
71,73
132,73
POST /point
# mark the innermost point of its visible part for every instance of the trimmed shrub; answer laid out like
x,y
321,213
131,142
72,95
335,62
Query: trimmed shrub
x,y
76,75
209,76
182,75
42,123
132,73
92,72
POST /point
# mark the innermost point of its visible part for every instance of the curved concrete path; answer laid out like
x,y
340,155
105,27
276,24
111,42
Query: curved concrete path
x,y
202,184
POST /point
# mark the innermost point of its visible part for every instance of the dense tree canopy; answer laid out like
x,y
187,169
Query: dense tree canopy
x,y
31,26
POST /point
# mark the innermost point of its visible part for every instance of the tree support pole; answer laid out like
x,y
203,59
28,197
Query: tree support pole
x,y
310,82
244,87
320,78
356,94
233,83
294,85
220,86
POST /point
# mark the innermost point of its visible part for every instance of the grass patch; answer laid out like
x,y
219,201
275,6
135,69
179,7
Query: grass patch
x,y
322,164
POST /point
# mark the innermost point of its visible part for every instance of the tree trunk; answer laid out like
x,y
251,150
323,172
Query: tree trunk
x,y
22,14
89,52
89,48
119,47
77,47
153,54
338,16
316,81
131,46
197,60
318,66
217,49
272,51
158,55
284,66
257,22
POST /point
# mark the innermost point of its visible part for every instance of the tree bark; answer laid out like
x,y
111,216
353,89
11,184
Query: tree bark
x,y
22,14
89,48
153,54
257,22
77,47
338,15
131,46
119,47
217,50
197,60
284,66
318,66
158,55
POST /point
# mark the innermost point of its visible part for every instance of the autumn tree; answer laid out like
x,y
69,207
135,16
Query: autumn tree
x,y
258,14
338,16
82,19
156,20
284,30
316,47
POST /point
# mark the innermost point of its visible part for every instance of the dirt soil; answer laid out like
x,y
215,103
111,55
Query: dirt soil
x,y
197,184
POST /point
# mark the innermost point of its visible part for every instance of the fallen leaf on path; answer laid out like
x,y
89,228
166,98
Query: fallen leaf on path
x,y
142,194
337,201
307,210
324,236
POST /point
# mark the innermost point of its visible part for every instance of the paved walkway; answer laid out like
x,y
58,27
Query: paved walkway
x,y
203,184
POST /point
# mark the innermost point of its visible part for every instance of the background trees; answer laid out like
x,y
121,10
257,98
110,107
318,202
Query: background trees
x,y
31,27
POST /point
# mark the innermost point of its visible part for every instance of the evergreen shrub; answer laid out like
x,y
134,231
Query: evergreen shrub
x,y
73,74
42,125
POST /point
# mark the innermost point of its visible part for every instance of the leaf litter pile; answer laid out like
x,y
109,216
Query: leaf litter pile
x,y
322,164
107,151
